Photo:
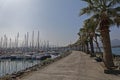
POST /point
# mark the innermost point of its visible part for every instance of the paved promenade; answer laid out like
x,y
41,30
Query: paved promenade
x,y
76,66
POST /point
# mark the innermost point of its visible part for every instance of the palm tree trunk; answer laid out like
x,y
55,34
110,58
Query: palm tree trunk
x,y
92,47
82,47
87,48
107,54
97,44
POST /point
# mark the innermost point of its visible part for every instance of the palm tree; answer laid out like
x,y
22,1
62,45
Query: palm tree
x,y
107,12
77,44
84,39
90,26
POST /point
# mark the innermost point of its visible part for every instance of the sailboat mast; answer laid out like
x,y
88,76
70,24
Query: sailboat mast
x,y
33,39
38,41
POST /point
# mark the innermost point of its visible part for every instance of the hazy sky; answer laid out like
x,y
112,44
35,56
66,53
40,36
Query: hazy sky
x,y
57,20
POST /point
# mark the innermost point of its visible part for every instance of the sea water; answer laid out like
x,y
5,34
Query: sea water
x,y
116,51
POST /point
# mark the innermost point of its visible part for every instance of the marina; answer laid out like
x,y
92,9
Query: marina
x,y
14,63
17,56
59,40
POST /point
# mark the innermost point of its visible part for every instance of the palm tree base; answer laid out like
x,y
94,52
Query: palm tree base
x,y
92,56
112,71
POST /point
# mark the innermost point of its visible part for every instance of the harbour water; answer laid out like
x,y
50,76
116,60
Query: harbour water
x,y
9,67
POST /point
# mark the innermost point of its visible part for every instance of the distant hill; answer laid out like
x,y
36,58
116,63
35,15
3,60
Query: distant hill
x,y
115,42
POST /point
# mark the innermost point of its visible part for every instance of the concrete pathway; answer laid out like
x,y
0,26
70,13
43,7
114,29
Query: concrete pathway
x,y
76,66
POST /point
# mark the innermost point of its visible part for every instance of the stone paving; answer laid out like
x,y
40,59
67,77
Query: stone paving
x,y
76,66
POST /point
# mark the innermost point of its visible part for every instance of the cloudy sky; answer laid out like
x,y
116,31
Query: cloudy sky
x,y
57,20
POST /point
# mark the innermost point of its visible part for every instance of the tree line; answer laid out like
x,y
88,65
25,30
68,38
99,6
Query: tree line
x,y
103,15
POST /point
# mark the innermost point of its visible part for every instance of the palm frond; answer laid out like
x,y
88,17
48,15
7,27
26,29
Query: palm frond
x,y
85,10
113,3
117,21
117,8
88,1
112,12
